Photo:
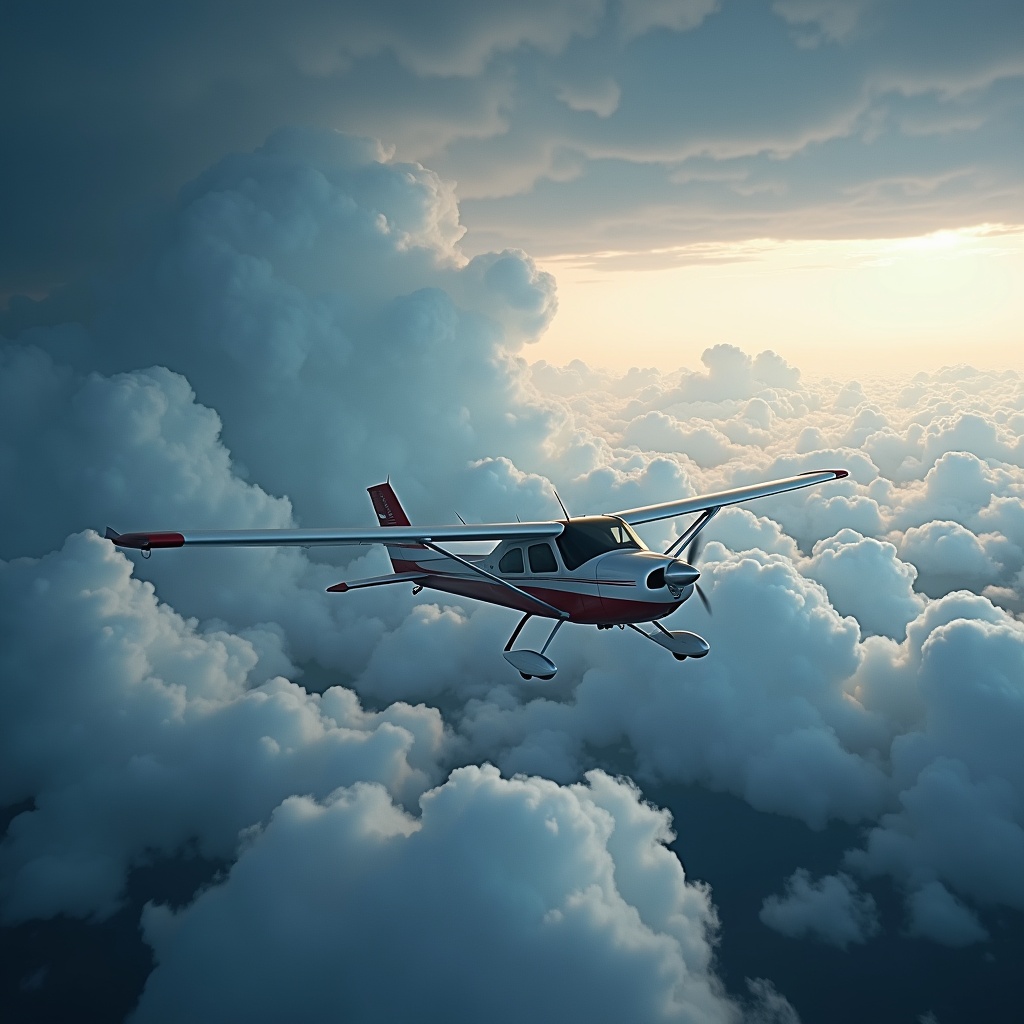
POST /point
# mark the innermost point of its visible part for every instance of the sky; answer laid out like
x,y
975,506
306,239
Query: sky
x,y
258,258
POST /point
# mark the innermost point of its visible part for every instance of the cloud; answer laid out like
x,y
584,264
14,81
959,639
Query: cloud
x,y
734,374
938,915
640,16
571,888
135,734
312,269
831,910
813,119
865,579
768,1006
820,21
945,551
957,771
305,323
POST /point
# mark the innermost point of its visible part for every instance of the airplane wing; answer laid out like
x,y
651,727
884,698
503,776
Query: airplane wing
x,y
309,538
668,509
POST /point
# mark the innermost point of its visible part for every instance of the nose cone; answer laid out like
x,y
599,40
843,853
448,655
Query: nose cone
x,y
680,574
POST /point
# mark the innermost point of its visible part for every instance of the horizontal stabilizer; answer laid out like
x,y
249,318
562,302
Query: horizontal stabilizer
x,y
376,581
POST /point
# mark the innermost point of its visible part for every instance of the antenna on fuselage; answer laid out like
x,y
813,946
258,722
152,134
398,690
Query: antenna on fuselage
x,y
560,502
461,520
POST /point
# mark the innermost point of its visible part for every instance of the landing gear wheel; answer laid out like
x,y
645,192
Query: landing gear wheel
x,y
679,657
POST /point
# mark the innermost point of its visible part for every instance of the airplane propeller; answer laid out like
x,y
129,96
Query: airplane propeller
x,y
692,554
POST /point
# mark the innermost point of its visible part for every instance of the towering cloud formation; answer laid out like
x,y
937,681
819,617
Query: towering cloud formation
x,y
304,323
502,900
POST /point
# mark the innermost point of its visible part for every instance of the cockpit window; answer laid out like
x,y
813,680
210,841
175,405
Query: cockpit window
x,y
584,539
512,561
542,558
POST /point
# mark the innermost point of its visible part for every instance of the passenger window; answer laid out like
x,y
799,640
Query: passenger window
x,y
512,561
542,558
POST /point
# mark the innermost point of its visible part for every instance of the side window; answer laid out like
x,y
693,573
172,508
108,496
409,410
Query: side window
x,y
512,561
542,558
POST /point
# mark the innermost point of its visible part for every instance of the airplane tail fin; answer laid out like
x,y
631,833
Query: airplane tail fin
x,y
387,506
404,557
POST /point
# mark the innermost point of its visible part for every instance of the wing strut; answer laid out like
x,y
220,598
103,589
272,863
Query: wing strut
x,y
691,531
559,614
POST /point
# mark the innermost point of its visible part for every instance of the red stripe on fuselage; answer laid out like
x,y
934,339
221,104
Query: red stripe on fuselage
x,y
585,608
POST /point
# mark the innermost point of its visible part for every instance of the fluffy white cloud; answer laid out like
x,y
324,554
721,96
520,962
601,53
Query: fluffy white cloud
x,y
307,324
957,770
947,555
831,910
313,293
865,579
505,899
135,734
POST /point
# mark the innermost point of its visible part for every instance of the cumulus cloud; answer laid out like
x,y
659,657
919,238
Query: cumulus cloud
x,y
936,914
570,888
831,910
864,578
313,269
136,735
947,554
287,340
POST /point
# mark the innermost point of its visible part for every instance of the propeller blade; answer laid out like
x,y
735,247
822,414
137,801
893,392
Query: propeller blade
x,y
703,598
693,551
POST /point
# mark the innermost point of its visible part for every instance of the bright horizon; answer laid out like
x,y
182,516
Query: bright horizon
x,y
829,307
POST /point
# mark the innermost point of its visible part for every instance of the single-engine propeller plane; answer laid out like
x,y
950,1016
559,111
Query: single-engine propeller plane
x,y
584,569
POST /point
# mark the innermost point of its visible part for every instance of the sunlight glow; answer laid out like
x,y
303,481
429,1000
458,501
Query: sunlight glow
x,y
827,306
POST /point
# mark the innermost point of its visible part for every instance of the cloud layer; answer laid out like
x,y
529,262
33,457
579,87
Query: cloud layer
x,y
585,124
304,323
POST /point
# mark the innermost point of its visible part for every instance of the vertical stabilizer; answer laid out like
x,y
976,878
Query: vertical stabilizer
x,y
387,506
404,557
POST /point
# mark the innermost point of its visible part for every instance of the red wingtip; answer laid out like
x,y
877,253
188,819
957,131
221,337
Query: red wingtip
x,y
840,473
145,541
338,588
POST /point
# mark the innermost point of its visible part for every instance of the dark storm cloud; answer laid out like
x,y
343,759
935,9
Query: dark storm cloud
x,y
831,910
627,125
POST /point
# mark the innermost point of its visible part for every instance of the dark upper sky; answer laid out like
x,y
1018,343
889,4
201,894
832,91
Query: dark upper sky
x,y
570,126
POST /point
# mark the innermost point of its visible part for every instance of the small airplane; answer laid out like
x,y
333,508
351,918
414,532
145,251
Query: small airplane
x,y
586,569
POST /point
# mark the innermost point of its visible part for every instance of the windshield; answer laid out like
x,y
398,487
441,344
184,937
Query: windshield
x,y
584,539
